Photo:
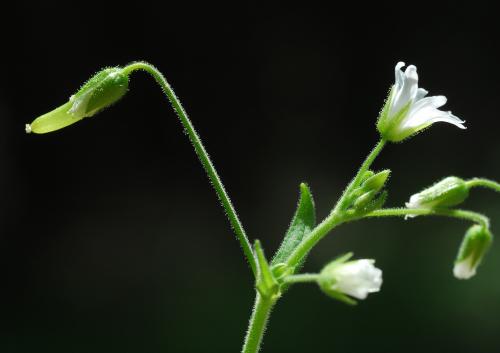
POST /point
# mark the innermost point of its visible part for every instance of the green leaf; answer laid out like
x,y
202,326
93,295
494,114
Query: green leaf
x,y
302,223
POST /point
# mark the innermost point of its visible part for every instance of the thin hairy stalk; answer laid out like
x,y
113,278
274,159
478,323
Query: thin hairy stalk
x,y
302,278
341,204
258,323
403,212
203,157
337,216
485,183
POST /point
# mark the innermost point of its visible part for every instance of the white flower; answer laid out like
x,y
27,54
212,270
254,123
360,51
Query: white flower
x,y
355,278
408,110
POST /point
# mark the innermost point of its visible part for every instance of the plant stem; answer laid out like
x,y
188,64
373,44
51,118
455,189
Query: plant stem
x,y
302,278
460,214
484,183
203,157
258,322
337,216
364,167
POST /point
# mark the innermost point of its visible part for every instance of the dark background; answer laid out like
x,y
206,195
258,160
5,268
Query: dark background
x,y
111,237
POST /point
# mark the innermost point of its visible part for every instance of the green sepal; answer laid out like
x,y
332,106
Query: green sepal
x,y
383,116
475,244
338,260
302,223
450,191
364,199
266,283
390,130
366,175
102,90
325,282
377,203
340,297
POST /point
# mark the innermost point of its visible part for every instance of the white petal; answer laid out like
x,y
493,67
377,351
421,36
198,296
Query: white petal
x,y
429,115
421,93
358,278
399,75
434,102
407,92
463,269
414,202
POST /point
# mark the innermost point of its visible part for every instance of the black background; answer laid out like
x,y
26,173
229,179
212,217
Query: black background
x,y
111,237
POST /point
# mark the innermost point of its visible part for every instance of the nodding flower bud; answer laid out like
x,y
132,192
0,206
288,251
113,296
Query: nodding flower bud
x,y
474,246
343,279
450,191
101,91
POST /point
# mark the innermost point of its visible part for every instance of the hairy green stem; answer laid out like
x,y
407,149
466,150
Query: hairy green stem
x,y
302,278
203,157
258,323
341,204
404,212
486,183
337,216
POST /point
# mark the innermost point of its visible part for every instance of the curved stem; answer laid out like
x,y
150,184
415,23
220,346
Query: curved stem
x,y
203,157
486,183
257,325
405,212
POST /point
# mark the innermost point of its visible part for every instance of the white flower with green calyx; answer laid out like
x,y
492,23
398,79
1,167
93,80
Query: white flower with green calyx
x,y
450,191
342,279
476,243
408,110
102,90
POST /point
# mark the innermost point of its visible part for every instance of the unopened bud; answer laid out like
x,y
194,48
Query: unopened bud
x,y
474,246
364,199
376,182
101,91
449,192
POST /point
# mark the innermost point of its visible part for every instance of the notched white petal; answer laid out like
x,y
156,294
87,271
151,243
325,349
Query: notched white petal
x,y
399,76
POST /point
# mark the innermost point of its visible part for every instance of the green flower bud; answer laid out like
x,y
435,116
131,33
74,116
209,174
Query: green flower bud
x,y
376,182
366,175
474,246
450,191
101,91
364,199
